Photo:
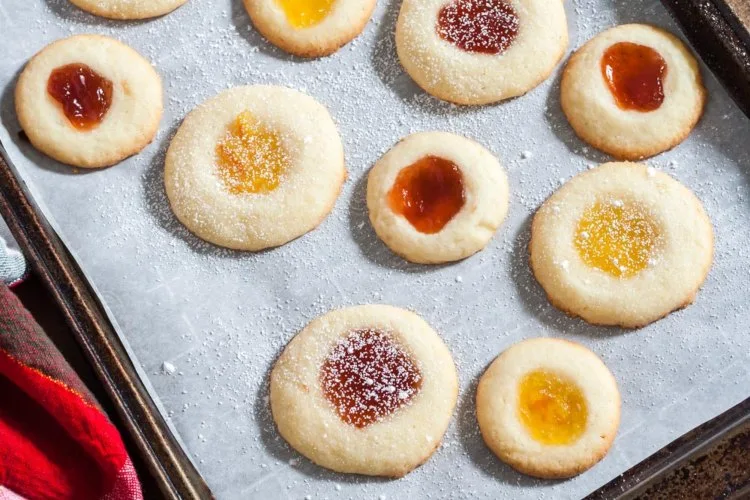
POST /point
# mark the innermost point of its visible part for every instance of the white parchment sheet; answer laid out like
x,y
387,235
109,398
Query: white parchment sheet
x,y
221,317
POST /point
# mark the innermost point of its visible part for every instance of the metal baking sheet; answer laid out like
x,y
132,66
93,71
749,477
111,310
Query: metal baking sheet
x,y
221,317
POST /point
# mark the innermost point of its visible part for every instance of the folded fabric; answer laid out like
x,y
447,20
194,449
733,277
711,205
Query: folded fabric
x,y
55,440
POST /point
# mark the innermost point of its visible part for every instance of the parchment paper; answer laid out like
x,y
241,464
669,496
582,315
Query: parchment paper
x,y
221,317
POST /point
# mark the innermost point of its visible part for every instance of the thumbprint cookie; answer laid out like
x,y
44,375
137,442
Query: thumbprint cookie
x,y
437,197
128,9
254,167
480,51
633,91
622,244
366,390
89,101
309,28
548,408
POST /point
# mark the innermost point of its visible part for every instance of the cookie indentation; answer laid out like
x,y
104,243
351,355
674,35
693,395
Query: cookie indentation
x,y
305,13
251,157
617,237
428,193
84,94
484,26
552,408
635,76
367,377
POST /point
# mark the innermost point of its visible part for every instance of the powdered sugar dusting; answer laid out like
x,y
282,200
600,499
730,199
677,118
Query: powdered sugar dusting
x,y
484,26
367,376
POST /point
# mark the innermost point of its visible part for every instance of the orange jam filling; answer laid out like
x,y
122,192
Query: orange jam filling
x,y
551,408
305,13
617,237
367,377
635,76
429,193
84,94
251,157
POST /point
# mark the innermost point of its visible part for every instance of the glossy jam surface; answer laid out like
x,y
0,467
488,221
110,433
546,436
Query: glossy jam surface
x,y
305,13
251,157
617,237
484,26
635,76
429,193
551,408
367,376
84,94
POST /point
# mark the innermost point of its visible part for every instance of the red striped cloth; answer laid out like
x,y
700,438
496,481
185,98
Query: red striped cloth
x,y
55,440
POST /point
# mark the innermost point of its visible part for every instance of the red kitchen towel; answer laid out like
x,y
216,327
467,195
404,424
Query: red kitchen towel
x,y
55,440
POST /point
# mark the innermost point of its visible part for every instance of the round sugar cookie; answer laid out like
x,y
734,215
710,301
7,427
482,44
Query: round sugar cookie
x,y
548,408
254,167
621,244
128,9
633,91
437,197
89,101
480,52
365,390
309,28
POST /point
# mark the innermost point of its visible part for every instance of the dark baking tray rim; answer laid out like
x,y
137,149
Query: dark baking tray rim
x,y
167,462
721,40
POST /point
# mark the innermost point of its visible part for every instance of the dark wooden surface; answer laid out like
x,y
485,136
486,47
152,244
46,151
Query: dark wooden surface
x,y
711,461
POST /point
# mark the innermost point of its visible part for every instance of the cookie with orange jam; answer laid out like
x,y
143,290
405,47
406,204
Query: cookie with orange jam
x,y
310,28
479,52
254,167
633,91
89,101
548,407
366,390
622,244
437,197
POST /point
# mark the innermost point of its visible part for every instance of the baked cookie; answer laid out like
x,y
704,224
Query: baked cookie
x,y
548,408
479,52
309,28
621,244
366,390
633,91
128,9
254,167
437,197
89,101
